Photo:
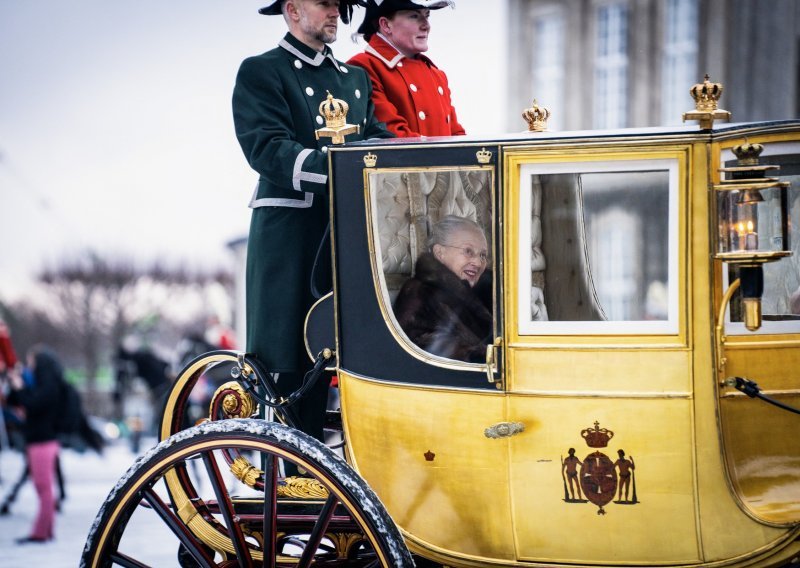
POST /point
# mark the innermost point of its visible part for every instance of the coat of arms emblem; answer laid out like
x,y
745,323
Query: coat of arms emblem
x,y
597,479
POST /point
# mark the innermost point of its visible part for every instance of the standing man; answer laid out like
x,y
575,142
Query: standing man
x,y
411,94
276,112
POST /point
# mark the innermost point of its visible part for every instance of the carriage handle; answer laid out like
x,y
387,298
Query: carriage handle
x,y
491,362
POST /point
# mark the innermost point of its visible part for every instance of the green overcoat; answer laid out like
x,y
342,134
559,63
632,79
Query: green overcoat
x,y
276,112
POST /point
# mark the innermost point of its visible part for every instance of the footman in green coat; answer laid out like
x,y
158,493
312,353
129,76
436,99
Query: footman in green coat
x,y
276,112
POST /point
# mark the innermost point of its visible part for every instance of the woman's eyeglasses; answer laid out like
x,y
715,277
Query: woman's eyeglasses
x,y
471,253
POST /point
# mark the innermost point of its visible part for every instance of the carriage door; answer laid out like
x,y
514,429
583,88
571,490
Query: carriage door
x,y
597,339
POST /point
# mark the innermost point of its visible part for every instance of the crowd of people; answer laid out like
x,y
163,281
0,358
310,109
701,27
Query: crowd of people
x,y
38,403
42,413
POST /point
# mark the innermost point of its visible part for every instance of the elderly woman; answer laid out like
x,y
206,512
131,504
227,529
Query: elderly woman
x,y
445,308
410,93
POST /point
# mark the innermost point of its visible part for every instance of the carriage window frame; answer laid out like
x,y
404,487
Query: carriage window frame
x,y
379,278
768,327
667,327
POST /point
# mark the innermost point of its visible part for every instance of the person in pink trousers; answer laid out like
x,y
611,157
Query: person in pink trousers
x,y
40,400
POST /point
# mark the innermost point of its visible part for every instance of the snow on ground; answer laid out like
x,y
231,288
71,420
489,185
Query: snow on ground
x,y
89,478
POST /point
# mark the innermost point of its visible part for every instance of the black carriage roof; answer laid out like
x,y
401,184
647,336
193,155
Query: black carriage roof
x,y
721,130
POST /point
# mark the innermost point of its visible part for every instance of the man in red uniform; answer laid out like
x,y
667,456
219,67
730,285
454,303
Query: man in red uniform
x,y
410,93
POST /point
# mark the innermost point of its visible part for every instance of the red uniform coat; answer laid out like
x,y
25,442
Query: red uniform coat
x,y
411,95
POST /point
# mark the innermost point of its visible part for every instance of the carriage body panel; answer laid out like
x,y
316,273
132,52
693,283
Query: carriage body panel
x,y
631,450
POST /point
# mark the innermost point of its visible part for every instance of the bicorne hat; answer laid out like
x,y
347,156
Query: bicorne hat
x,y
345,9
378,8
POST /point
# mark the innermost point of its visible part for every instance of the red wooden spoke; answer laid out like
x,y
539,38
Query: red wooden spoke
x,y
228,513
318,532
270,510
179,528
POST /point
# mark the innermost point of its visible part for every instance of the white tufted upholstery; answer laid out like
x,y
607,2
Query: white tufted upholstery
x,y
538,308
408,204
392,204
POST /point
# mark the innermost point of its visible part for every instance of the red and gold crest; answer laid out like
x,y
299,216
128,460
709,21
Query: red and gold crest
x,y
598,478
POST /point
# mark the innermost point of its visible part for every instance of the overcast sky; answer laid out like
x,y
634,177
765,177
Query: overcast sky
x,y
116,131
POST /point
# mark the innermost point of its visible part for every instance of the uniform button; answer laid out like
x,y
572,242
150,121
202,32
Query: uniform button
x,y
298,64
319,119
309,91
441,91
365,121
421,115
324,149
399,63
358,94
448,118
344,69
413,87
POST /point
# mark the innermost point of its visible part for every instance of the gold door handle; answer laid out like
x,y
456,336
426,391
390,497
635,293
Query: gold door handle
x,y
504,430
491,361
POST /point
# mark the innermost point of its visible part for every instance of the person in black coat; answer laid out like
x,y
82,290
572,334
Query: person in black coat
x,y
445,308
276,112
42,404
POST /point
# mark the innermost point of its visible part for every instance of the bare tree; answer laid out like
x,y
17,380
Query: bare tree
x,y
97,300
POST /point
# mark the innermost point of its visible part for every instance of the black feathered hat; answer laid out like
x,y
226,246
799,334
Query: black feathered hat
x,y
378,8
345,8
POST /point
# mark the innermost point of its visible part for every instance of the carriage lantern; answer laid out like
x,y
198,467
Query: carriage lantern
x,y
752,223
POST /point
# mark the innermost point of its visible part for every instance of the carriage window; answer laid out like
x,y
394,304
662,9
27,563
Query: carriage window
x,y
601,248
780,303
432,236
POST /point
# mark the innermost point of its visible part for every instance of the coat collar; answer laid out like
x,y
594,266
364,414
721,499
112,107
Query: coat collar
x,y
477,301
307,54
383,49
429,270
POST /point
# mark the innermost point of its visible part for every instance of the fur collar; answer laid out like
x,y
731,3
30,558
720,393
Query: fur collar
x,y
433,273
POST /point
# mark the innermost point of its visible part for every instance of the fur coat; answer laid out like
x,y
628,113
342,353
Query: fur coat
x,y
442,314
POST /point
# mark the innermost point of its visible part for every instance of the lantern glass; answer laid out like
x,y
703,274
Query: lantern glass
x,y
752,221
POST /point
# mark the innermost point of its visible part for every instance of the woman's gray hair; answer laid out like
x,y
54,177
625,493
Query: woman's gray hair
x,y
446,226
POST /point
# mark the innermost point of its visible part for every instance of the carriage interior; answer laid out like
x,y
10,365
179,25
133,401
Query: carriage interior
x,y
598,240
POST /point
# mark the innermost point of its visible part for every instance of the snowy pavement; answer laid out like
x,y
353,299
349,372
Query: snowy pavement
x,y
89,478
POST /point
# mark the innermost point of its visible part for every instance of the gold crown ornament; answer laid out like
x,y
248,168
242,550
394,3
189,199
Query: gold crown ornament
x,y
370,160
748,154
484,156
706,95
334,111
749,167
536,117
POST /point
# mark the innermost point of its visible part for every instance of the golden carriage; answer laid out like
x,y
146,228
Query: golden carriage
x,y
645,297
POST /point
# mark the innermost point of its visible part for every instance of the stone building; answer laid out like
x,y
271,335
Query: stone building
x,y
630,63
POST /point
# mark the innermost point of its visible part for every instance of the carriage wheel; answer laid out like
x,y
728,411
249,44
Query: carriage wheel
x,y
230,522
